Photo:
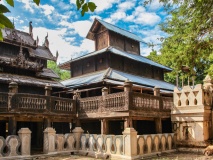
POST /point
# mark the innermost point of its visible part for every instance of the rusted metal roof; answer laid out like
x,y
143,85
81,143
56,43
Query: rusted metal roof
x,y
26,80
46,72
112,28
116,77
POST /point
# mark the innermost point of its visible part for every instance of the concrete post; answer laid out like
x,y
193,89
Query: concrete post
x,y
104,91
77,133
156,91
25,136
158,125
127,86
104,126
128,123
49,140
130,143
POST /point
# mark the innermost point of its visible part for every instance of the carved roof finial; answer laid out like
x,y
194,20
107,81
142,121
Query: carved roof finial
x,y
30,29
37,41
46,42
57,55
21,51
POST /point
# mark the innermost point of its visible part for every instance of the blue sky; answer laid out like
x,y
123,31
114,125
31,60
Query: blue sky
x,y
67,29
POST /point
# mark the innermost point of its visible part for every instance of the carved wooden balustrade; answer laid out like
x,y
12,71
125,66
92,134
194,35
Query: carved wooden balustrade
x,y
36,103
3,101
125,101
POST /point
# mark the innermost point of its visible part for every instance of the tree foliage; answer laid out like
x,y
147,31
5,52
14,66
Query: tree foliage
x,y
5,22
61,73
190,38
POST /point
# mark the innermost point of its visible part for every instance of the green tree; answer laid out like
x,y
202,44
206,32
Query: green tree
x,y
61,73
82,5
190,38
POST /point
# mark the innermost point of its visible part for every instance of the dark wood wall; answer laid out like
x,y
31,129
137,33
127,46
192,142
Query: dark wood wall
x,y
124,43
107,59
101,38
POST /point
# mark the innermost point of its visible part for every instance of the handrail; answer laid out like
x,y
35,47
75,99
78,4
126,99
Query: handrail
x,y
3,101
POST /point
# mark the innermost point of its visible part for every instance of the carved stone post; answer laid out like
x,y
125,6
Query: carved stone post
x,y
156,91
104,126
130,143
25,136
49,140
127,86
104,91
77,133
158,125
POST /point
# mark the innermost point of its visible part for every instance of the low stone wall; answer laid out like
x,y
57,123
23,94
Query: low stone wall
x,y
126,146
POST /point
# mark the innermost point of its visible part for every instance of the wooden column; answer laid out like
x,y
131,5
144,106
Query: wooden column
x,y
128,123
156,91
127,86
47,121
158,125
104,126
12,126
104,91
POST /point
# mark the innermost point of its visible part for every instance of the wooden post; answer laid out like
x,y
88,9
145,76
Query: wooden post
x,y
128,123
104,91
104,126
12,126
47,123
156,91
48,90
127,86
158,125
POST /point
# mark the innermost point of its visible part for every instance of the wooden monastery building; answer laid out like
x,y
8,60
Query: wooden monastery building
x,y
26,85
116,87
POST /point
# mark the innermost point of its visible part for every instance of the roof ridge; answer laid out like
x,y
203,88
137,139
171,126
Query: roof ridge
x,y
106,73
116,26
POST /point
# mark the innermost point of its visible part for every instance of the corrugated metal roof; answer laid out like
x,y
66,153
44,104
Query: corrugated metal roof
x,y
117,77
135,57
116,30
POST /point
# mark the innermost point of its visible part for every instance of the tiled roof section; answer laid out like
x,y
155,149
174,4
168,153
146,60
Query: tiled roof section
x,y
114,50
46,72
18,36
117,77
113,28
41,52
26,80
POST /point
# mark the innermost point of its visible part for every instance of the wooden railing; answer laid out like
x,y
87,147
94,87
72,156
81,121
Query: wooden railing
x,y
41,103
124,101
3,101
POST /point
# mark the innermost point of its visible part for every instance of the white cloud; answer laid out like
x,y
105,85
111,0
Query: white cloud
x,y
104,4
80,27
47,9
28,5
57,42
155,5
126,5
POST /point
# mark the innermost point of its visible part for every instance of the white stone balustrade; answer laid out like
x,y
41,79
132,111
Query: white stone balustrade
x,y
25,137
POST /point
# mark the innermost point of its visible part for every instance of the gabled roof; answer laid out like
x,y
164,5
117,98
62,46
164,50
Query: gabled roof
x,y
98,22
41,52
116,51
116,77
47,72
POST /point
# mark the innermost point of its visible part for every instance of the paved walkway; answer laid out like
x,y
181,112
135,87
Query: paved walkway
x,y
165,156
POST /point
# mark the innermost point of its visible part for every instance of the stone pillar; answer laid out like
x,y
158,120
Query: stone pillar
x,y
49,140
127,86
104,91
12,126
130,143
156,91
77,133
48,90
104,126
128,123
158,125
25,136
